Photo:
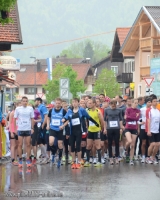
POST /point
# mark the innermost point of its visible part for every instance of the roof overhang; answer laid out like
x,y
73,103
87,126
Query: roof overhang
x,y
135,24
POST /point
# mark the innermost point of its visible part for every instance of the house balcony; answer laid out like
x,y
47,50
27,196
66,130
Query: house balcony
x,y
119,78
90,80
127,77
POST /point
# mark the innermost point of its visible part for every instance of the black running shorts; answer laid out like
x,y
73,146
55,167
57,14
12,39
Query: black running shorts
x,y
154,137
94,135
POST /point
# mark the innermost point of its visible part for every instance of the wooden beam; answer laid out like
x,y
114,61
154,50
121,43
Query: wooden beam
x,y
134,38
145,38
144,23
129,54
152,34
156,37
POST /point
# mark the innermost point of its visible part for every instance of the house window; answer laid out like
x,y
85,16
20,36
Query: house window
x,y
30,90
115,69
148,60
139,90
17,90
133,66
129,67
125,70
43,91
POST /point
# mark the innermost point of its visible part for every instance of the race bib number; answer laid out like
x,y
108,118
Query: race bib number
x,y
113,124
25,122
75,121
56,122
156,121
91,123
38,124
132,123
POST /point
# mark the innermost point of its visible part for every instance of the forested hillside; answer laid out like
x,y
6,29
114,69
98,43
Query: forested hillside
x,y
49,21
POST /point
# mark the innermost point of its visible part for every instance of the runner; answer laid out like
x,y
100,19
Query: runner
x,y
76,117
42,134
34,136
132,116
102,99
94,132
143,135
24,115
113,119
152,128
103,136
13,137
55,127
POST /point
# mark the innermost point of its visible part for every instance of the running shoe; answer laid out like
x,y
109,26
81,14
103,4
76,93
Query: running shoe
x,y
78,165
28,162
39,161
136,157
127,159
149,161
124,153
117,161
20,163
15,163
155,161
103,161
94,161
86,164
131,162
69,159
98,164
63,159
73,165
111,161
91,160
143,159
105,156
82,162
59,163
44,161
120,158
34,161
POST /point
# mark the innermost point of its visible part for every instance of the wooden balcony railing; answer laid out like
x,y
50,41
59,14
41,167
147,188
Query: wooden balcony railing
x,y
145,42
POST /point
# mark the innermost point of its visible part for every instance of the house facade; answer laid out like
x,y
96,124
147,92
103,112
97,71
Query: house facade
x,y
143,43
31,78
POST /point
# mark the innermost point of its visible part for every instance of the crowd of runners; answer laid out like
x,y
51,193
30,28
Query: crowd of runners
x,y
92,130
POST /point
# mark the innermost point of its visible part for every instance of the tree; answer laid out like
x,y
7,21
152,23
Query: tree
x,y
63,71
88,48
106,82
88,51
5,7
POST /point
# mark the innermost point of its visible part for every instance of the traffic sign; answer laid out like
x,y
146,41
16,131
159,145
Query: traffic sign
x,y
64,83
64,93
149,91
149,80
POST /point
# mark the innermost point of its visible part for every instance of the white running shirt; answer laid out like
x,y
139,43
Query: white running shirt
x,y
24,116
143,117
154,116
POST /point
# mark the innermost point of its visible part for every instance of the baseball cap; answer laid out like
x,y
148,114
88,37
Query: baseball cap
x,y
50,106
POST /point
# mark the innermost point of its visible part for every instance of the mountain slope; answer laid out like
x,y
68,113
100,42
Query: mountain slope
x,y
48,21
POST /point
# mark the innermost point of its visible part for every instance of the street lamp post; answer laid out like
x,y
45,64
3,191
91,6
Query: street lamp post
x,y
35,60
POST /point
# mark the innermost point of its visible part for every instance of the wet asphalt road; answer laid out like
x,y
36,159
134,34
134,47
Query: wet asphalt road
x,y
123,182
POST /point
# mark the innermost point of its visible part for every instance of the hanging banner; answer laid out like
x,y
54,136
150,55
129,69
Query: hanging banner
x,y
155,72
49,65
9,63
